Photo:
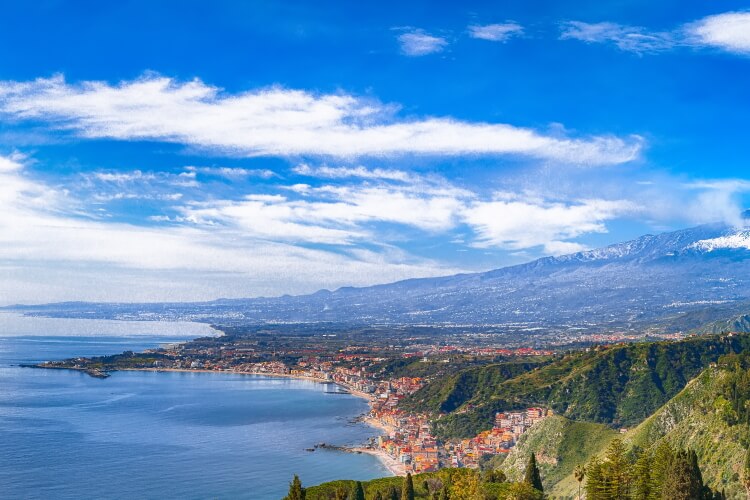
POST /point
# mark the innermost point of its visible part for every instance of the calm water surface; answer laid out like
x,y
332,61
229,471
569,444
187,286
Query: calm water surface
x,y
64,434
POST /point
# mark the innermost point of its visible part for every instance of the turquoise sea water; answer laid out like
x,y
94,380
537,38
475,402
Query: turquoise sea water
x,y
64,434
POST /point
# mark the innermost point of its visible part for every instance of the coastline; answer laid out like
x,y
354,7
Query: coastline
x,y
390,463
394,466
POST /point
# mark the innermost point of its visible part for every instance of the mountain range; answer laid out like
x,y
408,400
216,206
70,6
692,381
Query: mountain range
x,y
675,281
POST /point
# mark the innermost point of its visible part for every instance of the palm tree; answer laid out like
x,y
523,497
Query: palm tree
x,y
579,474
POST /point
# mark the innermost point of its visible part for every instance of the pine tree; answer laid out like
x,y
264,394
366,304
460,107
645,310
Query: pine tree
x,y
532,475
296,491
377,496
596,488
642,482
357,492
617,470
660,464
683,481
407,490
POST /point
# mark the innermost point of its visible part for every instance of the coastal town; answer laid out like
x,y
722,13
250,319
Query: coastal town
x,y
406,443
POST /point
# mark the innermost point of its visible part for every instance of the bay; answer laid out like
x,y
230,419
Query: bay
x,y
64,434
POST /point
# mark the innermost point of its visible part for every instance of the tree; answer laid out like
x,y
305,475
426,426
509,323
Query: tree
x,y
296,491
466,486
532,475
340,494
683,479
407,490
596,487
579,474
746,473
522,491
357,492
377,496
494,476
392,494
660,464
617,470
642,482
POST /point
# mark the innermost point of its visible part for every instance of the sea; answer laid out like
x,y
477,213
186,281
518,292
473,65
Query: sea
x,y
64,434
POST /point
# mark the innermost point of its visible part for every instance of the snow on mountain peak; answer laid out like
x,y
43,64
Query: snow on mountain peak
x,y
732,241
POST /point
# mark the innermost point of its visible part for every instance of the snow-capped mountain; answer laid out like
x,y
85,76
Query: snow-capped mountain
x,y
627,285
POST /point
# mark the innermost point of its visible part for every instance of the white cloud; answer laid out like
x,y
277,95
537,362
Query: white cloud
x,y
729,31
340,215
716,200
629,38
420,43
516,224
276,121
233,173
496,32
358,171
42,238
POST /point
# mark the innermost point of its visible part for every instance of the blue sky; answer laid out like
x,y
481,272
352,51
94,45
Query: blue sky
x,y
195,150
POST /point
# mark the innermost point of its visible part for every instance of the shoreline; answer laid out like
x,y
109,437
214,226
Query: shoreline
x,y
391,464
394,466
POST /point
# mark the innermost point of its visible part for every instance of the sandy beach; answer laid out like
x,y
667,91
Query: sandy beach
x,y
394,466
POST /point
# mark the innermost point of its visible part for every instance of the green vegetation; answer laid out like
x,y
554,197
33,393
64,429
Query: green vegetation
x,y
705,421
124,361
559,445
358,493
740,323
452,484
407,490
532,476
696,419
456,388
296,491
646,475
619,386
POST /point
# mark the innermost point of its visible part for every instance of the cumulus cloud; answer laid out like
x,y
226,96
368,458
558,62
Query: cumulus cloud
x,y
496,32
420,43
517,224
629,38
729,31
282,122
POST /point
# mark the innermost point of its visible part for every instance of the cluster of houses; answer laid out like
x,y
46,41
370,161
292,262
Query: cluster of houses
x,y
409,440
508,428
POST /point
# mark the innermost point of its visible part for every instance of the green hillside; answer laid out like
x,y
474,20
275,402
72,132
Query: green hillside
x,y
453,390
560,444
709,414
619,386
739,323
703,417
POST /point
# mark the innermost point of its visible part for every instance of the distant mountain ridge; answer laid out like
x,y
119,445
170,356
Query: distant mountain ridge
x,y
652,280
